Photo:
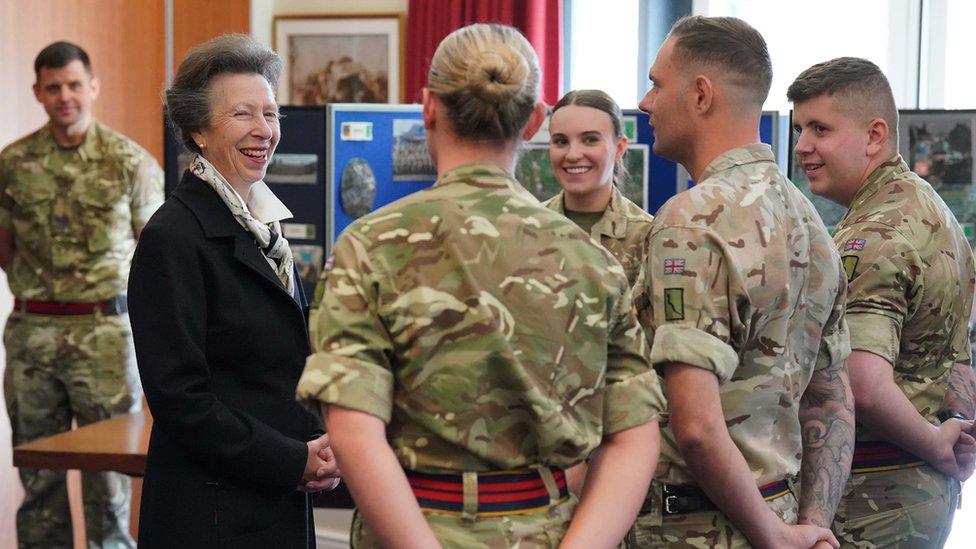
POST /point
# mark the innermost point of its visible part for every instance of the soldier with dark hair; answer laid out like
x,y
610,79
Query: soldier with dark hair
x,y
74,196
742,297
910,278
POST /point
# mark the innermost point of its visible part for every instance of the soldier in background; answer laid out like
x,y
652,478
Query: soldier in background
x,y
742,297
586,132
910,289
73,197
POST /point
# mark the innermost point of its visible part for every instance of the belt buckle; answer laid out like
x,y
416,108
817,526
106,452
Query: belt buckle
x,y
667,504
669,498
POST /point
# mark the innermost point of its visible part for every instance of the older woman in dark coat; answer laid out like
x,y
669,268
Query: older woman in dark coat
x,y
219,327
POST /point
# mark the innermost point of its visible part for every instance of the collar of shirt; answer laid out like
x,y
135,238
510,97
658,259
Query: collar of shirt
x,y
487,175
612,224
90,148
877,179
265,206
749,154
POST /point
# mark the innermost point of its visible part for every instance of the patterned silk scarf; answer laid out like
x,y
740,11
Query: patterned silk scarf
x,y
268,235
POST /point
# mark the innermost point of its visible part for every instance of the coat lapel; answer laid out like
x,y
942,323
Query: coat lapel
x,y
217,222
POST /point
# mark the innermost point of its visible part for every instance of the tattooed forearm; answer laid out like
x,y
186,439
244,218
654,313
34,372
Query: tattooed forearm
x,y
827,423
961,393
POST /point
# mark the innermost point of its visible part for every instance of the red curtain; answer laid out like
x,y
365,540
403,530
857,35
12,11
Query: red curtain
x,y
429,21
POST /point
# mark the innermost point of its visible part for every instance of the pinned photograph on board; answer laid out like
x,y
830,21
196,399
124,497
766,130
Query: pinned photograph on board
x,y
293,169
634,183
534,172
939,146
308,261
411,161
357,188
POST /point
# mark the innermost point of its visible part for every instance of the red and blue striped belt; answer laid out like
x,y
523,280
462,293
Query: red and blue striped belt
x,y
875,456
489,493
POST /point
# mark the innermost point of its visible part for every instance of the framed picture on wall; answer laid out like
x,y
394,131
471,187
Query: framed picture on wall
x,y
339,58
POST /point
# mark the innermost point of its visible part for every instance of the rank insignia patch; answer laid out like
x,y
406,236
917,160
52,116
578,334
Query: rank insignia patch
x,y
854,244
850,263
674,304
674,266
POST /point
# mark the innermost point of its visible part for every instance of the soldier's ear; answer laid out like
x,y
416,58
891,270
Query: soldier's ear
x,y
878,137
539,113
702,91
96,86
429,111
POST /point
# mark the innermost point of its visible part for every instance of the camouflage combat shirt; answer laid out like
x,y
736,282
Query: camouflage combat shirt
x,y
910,289
742,279
489,332
622,230
75,213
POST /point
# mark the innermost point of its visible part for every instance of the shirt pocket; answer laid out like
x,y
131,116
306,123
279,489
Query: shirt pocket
x,y
33,195
102,203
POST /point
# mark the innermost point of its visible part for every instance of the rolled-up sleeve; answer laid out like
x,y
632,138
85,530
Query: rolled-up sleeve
x,y
633,390
350,366
686,301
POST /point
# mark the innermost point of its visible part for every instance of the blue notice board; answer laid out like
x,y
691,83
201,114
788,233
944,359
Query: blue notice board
x,y
378,135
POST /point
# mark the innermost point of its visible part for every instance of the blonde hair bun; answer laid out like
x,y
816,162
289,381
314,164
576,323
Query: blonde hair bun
x,y
497,75
487,77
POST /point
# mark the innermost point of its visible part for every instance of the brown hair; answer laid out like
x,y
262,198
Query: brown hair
x,y
487,77
600,100
730,45
862,87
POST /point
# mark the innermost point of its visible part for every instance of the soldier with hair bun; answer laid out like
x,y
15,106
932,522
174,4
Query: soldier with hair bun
x,y
473,344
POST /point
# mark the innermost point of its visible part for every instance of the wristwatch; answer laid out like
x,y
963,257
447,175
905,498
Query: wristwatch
x,y
946,415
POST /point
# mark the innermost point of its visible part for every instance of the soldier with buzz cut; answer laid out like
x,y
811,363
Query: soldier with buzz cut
x,y
73,197
742,298
910,288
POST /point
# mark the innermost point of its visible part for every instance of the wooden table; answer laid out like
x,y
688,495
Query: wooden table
x,y
117,444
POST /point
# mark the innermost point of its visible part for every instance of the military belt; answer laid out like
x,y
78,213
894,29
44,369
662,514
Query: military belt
x,y
875,456
115,306
681,499
492,493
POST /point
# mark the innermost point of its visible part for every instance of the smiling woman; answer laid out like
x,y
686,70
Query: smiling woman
x,y
586,146
243,130
219,325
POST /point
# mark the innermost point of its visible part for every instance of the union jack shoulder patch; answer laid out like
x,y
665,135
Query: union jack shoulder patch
x,y
674,266
855,244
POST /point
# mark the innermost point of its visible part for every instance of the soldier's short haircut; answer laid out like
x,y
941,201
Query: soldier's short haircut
x,y
487,77
862,89
59,54
728,44
188,98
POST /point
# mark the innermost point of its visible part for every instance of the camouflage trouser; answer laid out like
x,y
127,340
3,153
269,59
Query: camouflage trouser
x,y
58,369
536,529
903,508
706,529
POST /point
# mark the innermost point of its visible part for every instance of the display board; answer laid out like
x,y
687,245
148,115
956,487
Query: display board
x,y
939,145
376,155
297,177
